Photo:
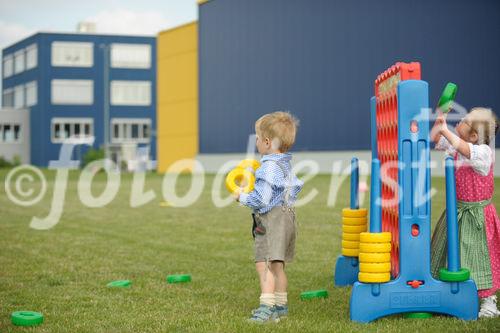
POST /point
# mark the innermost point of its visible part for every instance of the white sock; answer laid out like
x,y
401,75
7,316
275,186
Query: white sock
x,y
489,307
267,299
281,299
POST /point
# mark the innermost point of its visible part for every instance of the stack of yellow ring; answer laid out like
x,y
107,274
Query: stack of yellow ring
x,y
374,257
242,177
353,223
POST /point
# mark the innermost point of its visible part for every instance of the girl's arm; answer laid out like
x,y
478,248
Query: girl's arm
x,y
460,145
439,124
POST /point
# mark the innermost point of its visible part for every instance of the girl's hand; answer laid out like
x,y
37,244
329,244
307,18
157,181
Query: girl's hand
x,y
440,124
236,194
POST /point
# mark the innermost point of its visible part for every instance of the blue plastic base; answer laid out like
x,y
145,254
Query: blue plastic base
x,y
372,301
346,271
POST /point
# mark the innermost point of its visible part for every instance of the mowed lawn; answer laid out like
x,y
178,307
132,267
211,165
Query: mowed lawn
x,y
63,272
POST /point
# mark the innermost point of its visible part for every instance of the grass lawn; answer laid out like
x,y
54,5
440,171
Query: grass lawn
x,y
63,272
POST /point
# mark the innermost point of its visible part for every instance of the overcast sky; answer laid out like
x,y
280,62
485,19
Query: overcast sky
x,y
21,18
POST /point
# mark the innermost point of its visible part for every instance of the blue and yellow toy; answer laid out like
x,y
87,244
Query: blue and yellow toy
x,y
394,256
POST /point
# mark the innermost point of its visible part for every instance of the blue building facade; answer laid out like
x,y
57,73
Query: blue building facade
x,y
67,80
318,59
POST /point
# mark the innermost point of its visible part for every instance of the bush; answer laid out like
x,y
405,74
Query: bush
x,y
92,155
4,163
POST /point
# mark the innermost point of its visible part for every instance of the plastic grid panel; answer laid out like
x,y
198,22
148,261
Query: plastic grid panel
x,y
386,86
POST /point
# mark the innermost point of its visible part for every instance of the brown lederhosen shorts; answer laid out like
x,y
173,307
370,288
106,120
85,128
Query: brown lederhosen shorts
x,y
278,242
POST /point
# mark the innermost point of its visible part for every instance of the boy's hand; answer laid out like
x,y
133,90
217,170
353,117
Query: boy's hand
x,y
236,194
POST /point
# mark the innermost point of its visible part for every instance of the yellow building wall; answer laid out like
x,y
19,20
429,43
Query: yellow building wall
x,y
177,95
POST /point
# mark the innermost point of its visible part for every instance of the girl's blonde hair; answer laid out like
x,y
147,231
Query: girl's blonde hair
x,y
484,123
280,127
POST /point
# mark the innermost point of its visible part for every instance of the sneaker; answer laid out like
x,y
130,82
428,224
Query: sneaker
x,y
489,308
281,311
264,314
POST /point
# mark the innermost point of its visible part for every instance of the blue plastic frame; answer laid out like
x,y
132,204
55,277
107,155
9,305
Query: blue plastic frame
x,y
372,301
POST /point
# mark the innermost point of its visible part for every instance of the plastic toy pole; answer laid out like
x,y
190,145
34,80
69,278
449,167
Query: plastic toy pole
x,y
451,217
354,183
375,200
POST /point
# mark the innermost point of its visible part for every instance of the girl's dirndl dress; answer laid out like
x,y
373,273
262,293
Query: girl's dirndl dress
x,y
478,222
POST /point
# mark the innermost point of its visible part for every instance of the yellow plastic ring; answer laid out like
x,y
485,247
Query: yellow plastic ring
x,y
347,212
238,176
350,252
378,267
374,247
374,257
350,237
374,277
249,164
354,228
350,244
375,237
354,220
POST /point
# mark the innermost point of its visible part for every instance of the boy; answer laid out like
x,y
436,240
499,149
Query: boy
x,y
274,230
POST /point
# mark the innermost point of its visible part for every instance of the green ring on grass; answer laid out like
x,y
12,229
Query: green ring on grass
x,y
119,284
26,318
178,278
418,315
460,276
447,97
314,294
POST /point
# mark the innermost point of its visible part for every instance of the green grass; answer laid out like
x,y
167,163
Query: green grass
x,y
63,272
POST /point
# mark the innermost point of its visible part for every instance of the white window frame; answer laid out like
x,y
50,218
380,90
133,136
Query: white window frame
x,y
19,137
8,66
5,92
125,130
59,98
31,85
71,121
119,52
19,102
31,56
59,46
19,61
124,97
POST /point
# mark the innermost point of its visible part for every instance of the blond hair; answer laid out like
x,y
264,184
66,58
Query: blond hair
x,y
484,123
280,127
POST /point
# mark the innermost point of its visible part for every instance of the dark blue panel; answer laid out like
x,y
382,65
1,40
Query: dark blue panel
x,y
318,59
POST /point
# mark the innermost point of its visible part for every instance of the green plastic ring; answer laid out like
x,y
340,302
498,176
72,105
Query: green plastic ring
x,y
26,318
460,276
119,284
447,97
314,294
418,315
179,278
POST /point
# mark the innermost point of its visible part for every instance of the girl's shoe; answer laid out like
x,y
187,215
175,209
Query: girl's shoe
x,y
264,314
489,308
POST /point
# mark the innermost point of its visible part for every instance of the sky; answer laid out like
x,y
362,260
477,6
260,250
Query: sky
x,y
22,18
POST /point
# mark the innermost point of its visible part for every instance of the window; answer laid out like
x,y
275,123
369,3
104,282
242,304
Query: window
x,y
130,130
19,96
31,56
130,55
31,93
64,128
19,64
72,92
10,133
8,98
131,93
72,54
8,66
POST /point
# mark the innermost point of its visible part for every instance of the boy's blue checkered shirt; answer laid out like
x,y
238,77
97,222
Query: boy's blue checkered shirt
x,y
271,181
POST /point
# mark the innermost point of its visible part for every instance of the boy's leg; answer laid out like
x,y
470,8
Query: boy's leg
x,y
267,283
281,285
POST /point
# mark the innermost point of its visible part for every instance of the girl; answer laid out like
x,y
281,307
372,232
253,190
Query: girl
x,y
479,225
